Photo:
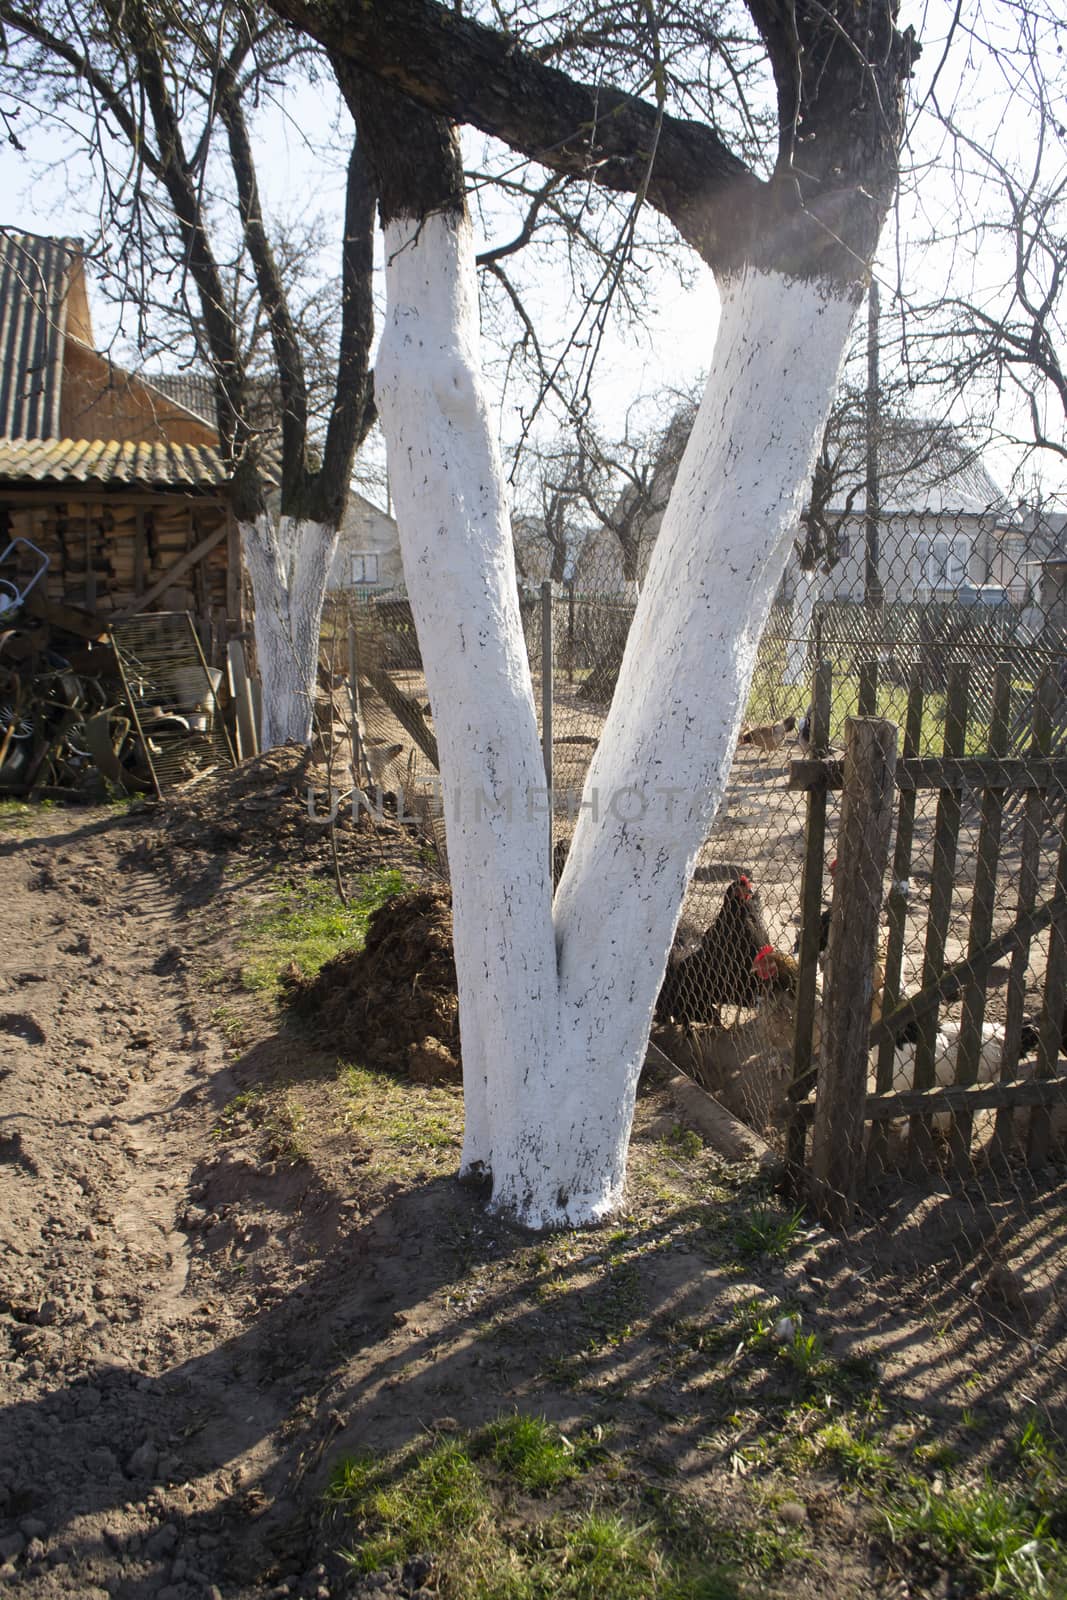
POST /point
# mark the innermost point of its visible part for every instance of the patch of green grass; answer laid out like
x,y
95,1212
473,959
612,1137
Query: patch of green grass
x,y
768,1231
411,1117
1000,1536
1036,1453
536,1456
803,1352
767,1547
770,699
855,1454
307,925
282,1119
450,1499
18,816
684,1143
239,1115
230,1024
287,1131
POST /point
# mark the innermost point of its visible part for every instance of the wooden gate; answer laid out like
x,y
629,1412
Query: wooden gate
x,y
846,1092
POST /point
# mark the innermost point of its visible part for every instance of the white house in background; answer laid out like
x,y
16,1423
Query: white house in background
x,y
944,523
368,550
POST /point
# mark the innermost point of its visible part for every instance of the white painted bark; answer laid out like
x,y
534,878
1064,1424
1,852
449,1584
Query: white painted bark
x,y
555,1009
289,561
796,651
459,566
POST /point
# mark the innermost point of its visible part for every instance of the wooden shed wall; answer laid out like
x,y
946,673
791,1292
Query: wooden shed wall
x,y
106,551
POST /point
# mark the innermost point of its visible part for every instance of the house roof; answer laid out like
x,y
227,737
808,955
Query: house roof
x,y
106,461
194,391
34,282
925,468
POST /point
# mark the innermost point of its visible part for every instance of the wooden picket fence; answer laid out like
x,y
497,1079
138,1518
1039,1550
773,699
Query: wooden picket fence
x,y
838,1136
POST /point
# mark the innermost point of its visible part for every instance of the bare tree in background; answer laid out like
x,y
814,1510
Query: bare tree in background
x,y
995,332
171,92
585,489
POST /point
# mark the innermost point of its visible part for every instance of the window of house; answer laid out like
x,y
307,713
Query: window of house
x,y
364,567
944,560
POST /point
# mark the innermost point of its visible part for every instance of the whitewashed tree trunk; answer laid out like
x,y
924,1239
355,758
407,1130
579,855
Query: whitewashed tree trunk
x,y
809,582
556,1005
289,561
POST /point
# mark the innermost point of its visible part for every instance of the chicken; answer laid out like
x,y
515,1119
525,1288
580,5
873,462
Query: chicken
x,y
380,756
775,969
769,736
719,970
946,1053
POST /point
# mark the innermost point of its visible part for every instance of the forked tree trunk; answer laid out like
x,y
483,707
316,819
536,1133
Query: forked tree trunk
x,y
289,561
809,582
555,1007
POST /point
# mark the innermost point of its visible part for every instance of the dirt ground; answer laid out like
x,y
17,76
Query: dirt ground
x,y
225,1260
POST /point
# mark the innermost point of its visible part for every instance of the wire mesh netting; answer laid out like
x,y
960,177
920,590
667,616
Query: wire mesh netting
x,y
960,995
171,694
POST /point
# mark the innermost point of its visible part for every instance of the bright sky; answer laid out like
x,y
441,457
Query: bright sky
x,y
672,348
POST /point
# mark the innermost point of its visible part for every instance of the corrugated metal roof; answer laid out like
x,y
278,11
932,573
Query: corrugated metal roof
x,y
34,274
105,461
194,391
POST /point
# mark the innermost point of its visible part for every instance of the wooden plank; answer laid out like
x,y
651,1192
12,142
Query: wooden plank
x,y
233,574
406,712
937,772
954,979
868,692
72,618
897,912
811,885
863,849
983,907
359,749
244,718
959,1099
1050,1029
943,877
1029,882
177,570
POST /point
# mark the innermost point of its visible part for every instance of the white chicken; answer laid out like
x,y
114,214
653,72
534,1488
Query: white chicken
x,y
946,1051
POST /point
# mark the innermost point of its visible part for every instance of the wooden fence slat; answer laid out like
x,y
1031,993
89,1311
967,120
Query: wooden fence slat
x,y
1051,1025
1029,874
959,1098
946,838
866,823
405,710
810,921
868,695
983,907
954,978
937,772
898,914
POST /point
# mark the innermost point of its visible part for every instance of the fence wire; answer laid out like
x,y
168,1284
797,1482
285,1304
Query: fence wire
x,y
963,1203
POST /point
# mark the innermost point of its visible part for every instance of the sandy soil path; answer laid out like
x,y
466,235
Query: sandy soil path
x,y
112,1479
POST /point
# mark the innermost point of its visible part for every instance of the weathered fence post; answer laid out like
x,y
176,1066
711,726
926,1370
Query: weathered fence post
x,y
863,850
241,690
360,768
811,882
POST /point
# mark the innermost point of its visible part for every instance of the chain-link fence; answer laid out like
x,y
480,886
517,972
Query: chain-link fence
x,y
958,897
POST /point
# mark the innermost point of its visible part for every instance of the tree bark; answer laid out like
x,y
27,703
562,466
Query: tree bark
x,y
289,561
555,1012
809,582
556,999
